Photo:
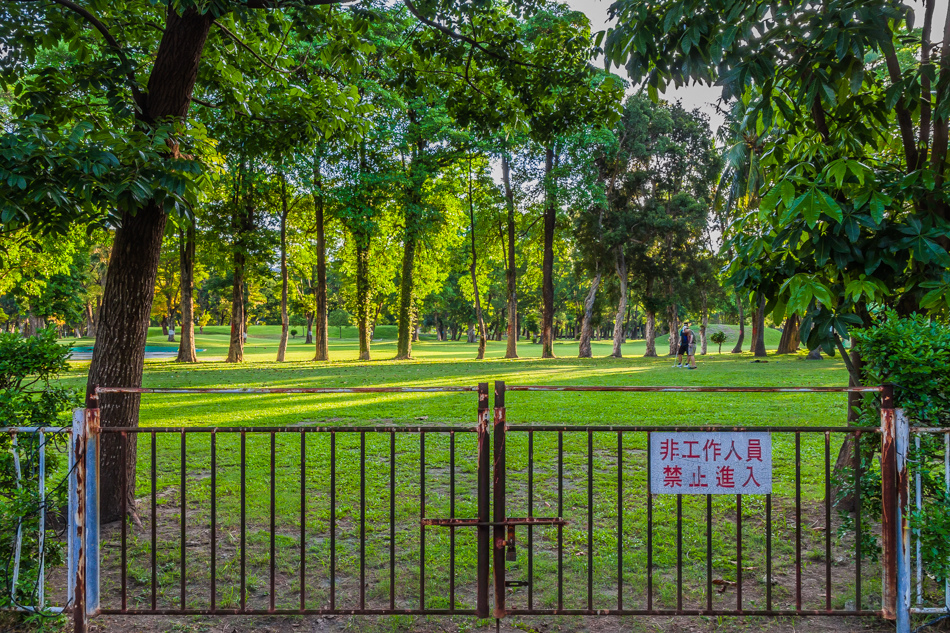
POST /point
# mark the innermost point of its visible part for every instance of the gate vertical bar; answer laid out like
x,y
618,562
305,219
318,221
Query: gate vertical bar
x,y
498,531
889,529
484,503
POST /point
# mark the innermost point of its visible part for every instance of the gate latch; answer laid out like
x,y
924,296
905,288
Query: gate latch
x,y
510,554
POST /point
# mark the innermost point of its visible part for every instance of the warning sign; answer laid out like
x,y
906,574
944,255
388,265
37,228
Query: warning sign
x,y
726,463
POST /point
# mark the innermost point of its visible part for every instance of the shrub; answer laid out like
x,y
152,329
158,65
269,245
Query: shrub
x,y
27,365
913,354
719,338
293,334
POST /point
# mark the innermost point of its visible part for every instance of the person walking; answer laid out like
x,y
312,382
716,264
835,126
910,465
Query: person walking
x,y
684,345
690,349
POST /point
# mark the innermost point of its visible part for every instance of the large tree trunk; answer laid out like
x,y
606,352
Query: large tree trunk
x,y
284,319
738,348
119,352
363,303
320,317
186,349
758,329
406,299
547,284
511,348
583,348
790,340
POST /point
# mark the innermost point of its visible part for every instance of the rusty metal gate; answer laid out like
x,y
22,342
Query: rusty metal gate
x,y
520,518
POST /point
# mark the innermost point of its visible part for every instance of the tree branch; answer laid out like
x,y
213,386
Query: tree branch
x,y
110,40
277,4
903,115
250,50
462,38
204,103
925,109
938,159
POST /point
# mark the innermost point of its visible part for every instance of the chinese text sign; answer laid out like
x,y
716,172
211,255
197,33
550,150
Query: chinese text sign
x,y
723,463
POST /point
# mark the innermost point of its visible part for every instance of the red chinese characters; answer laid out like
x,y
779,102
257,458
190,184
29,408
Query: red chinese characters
x,y
711,463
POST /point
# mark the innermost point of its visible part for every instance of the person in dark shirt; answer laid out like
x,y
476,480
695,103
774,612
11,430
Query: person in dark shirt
x,y
684,345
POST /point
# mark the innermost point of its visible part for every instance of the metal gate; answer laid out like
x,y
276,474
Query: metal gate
x,y
520,518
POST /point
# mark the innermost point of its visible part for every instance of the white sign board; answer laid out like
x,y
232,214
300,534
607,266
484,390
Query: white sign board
x,y
726,463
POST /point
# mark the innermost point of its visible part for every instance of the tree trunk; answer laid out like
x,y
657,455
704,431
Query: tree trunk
x,y
511,348
758,329
547,285
583,348
119,353
284,319
619,333
242,223
790,340
738,348
406,325
320,318
649,328
363,305
236,344
704,326
649,333
186,349
672,317
478,305
470,334
90,321
164,324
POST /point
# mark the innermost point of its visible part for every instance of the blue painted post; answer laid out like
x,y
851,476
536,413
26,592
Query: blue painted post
x,y
902,441
92,510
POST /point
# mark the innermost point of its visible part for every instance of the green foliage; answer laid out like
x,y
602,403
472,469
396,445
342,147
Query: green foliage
x,y
27,398
840,194
913,353
293,333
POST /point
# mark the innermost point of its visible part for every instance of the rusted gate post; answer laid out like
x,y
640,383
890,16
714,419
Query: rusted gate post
x,y
484,503
889,529
498,487
895,492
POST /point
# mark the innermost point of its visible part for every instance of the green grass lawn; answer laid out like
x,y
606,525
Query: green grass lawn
x,y
589,470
